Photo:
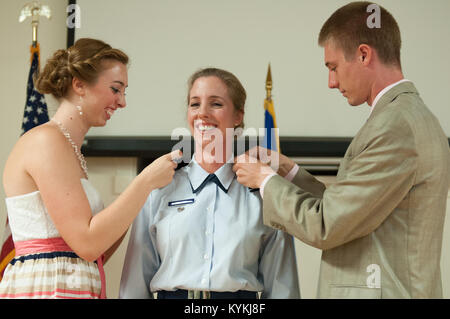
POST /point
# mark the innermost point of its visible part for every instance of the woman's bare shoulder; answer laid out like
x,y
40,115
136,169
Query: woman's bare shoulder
x,y
38,150
41,135
41,146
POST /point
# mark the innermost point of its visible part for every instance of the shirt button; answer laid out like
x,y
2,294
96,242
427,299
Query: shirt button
x,y
204,281
205,256
207,233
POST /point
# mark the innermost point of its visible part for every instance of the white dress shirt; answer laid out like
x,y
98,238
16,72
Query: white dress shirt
x,y
209,240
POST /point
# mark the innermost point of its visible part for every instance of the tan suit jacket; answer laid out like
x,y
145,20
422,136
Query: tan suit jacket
x,y
380,225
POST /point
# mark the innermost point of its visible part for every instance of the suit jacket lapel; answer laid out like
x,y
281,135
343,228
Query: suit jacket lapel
x,y
391,95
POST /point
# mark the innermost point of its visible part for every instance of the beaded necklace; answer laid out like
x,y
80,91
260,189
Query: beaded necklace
x,y
80,156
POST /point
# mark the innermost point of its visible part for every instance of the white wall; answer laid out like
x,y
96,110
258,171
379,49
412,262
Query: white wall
x,y
168,40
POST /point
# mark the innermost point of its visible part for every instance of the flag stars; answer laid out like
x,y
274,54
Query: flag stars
x,y
35,112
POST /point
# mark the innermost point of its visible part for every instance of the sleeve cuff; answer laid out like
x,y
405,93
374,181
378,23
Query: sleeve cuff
x,y
290,176
294,170
264,182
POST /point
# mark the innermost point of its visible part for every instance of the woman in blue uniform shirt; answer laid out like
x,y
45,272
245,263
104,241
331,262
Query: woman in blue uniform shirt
x,y
202,236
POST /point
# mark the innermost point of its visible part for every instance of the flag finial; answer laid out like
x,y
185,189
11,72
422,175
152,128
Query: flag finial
x,y
269,84
34,10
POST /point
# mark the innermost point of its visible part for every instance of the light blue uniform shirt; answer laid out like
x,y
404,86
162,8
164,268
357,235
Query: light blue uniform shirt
x,y
211,240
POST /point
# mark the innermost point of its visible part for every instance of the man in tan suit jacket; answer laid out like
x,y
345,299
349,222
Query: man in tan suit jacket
x,y
380,225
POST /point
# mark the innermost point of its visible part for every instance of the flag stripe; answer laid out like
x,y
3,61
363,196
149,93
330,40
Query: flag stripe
x,y
8,244
5,261
8,252
271,140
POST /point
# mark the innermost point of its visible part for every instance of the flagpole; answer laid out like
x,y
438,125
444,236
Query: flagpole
x,y
34,27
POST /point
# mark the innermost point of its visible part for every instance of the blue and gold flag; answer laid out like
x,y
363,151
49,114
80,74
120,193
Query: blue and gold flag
x,y
271,140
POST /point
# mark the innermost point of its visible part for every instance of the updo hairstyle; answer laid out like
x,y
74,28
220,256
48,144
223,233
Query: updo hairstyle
x,y
83,60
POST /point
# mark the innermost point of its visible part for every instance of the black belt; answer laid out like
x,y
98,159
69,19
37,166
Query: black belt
x,y
191,294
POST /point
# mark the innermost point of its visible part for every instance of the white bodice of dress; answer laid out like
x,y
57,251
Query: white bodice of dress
x,y
29,219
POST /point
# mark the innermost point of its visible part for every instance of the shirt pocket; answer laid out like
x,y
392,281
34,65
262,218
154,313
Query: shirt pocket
x,y
167,219
184,228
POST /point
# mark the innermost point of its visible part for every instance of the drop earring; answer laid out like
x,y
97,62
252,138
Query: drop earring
x,y
79,108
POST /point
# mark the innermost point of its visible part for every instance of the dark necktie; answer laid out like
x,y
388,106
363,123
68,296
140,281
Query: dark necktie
x,y
211,178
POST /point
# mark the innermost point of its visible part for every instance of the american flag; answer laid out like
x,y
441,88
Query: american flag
x,y
35,113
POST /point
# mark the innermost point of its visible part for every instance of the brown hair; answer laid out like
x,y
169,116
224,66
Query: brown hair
x,y
235,89
348,28
83,60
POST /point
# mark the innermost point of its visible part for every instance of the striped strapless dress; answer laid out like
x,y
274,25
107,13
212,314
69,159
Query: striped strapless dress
x,y
44,266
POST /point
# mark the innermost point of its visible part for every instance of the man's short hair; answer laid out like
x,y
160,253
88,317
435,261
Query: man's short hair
x,y
349,27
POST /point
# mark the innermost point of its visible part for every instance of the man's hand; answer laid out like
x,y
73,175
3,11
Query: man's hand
x,y
251,172
277,161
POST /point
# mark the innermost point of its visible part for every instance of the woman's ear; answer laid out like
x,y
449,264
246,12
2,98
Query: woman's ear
x,y
78,86
239,117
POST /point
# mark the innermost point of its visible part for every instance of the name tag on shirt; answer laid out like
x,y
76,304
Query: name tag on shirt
x,y
182,202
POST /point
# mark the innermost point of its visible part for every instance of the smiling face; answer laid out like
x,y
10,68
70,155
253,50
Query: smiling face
x,y
348,76
211,110
107,94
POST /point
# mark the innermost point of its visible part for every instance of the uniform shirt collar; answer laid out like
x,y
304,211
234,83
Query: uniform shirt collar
x,y
197,174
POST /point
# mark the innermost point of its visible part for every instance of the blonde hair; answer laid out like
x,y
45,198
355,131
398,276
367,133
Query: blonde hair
x,y
84,60
235,89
